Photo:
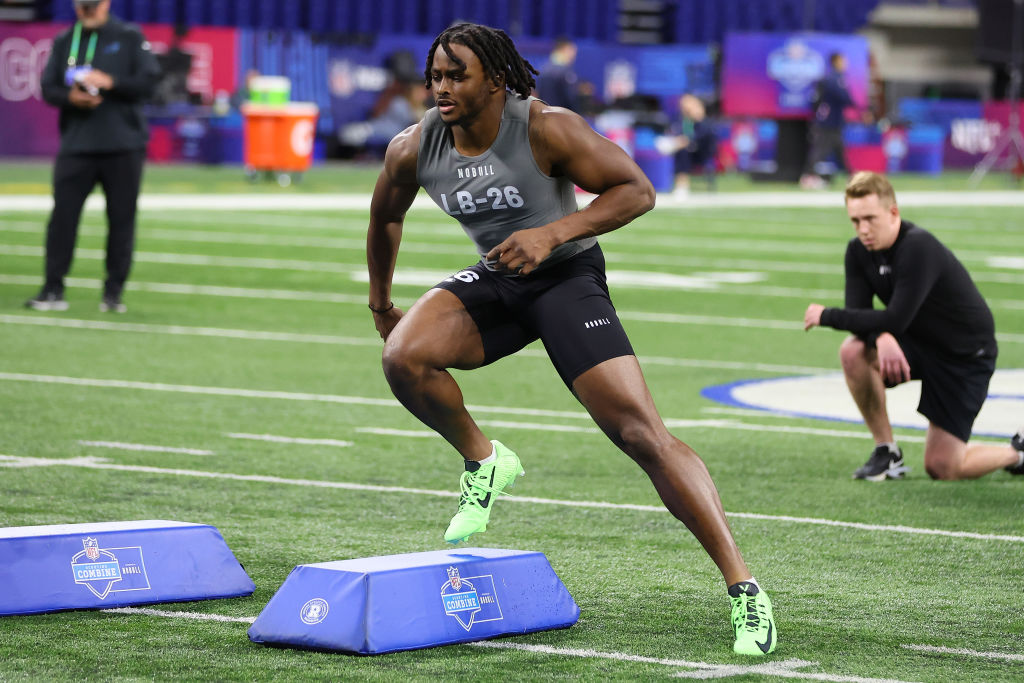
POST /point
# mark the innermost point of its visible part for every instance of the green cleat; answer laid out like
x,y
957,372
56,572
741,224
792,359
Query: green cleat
x,y
752,619
481,485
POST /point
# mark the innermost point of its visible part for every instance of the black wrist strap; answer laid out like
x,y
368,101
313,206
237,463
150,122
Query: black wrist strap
x,y
391,304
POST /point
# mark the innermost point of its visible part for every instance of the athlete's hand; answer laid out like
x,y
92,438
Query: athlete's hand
x,y
386,321
523,251
812,316
891,360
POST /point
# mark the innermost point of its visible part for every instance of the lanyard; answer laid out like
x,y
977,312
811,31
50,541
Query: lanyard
x,y
76,41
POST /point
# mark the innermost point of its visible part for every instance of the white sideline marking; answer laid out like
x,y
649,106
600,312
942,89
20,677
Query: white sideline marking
x,y
291,439
784,668
252,335
397,432
965,651
145,447
282,395
326,202
208,290
178,615
101,464
360,300
262,335
677,423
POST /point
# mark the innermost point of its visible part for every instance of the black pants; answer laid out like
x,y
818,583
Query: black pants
x,y
824,142
74,177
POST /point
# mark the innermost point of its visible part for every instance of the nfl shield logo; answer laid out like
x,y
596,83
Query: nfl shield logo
x,y
92,548
454,578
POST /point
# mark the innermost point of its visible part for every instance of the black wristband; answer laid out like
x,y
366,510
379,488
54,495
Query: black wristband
x,y
391,304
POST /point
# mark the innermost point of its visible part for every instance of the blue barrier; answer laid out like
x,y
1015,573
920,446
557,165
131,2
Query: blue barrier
x,y
114,564
375,605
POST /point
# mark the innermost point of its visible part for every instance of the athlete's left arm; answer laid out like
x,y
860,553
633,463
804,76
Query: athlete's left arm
x,y
565,145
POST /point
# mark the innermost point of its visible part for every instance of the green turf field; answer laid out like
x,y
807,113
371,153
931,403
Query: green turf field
x,y
254,323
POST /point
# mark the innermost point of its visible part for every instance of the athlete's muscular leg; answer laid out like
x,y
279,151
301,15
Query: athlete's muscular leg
x,y
437,333
864,379
616,395
947,457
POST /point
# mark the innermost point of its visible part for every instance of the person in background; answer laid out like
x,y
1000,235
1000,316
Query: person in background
x,y
98,74
831,98
692,143
935,327
558,84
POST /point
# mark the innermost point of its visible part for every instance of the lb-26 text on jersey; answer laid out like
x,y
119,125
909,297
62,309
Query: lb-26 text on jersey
x,y
495,199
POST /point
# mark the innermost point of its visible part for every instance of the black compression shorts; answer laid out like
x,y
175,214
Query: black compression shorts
x,y
953,388
566,305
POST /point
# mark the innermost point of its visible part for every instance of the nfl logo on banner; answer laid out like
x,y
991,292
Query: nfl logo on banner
x,y
385,604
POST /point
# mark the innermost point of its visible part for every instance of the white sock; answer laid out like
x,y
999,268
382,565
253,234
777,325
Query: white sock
x,y
1020,458
490,458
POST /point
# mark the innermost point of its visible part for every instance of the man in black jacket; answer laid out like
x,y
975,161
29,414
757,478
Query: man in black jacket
x,y
98,74
935,327
831,99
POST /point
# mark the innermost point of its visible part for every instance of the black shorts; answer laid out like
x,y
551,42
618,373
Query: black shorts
x,y
565,305
953,388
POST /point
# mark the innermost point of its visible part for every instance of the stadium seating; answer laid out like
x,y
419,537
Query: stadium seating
x,y
688,21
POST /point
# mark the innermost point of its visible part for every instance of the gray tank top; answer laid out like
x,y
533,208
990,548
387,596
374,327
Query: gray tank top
x,y
500,191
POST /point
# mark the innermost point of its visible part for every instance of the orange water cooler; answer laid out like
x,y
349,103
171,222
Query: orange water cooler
x,y
279,139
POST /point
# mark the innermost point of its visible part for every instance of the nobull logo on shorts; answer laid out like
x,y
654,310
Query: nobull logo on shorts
x,y
21,65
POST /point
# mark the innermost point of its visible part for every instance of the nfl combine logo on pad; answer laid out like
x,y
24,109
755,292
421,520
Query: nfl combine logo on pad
x,y
468,604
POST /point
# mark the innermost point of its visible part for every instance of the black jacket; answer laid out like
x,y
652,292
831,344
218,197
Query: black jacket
x,y
117,124
927,292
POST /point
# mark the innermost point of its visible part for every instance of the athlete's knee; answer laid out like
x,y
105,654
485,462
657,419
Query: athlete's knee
x,y
944,469
403,366
853,354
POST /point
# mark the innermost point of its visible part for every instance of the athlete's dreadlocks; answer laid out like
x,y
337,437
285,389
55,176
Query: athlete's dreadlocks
x,y
496,53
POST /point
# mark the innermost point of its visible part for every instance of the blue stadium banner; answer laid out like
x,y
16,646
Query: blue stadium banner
x,y
385,604
115,564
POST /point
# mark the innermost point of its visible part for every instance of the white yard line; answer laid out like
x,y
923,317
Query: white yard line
x,y
278,395
197,616
262,335
966,652
672,318
673,423
360,202
100,464
185,330
410,433
784,668
203,290
291,439
118,445
703,670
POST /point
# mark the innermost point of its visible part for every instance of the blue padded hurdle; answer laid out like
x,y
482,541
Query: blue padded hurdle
x,y
115,564
376,605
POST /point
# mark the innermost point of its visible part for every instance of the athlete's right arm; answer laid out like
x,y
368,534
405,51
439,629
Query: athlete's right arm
x,y
392,196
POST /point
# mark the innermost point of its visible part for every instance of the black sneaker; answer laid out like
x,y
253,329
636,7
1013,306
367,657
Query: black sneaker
x,y
48,300
883,464
1017,441
112,304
